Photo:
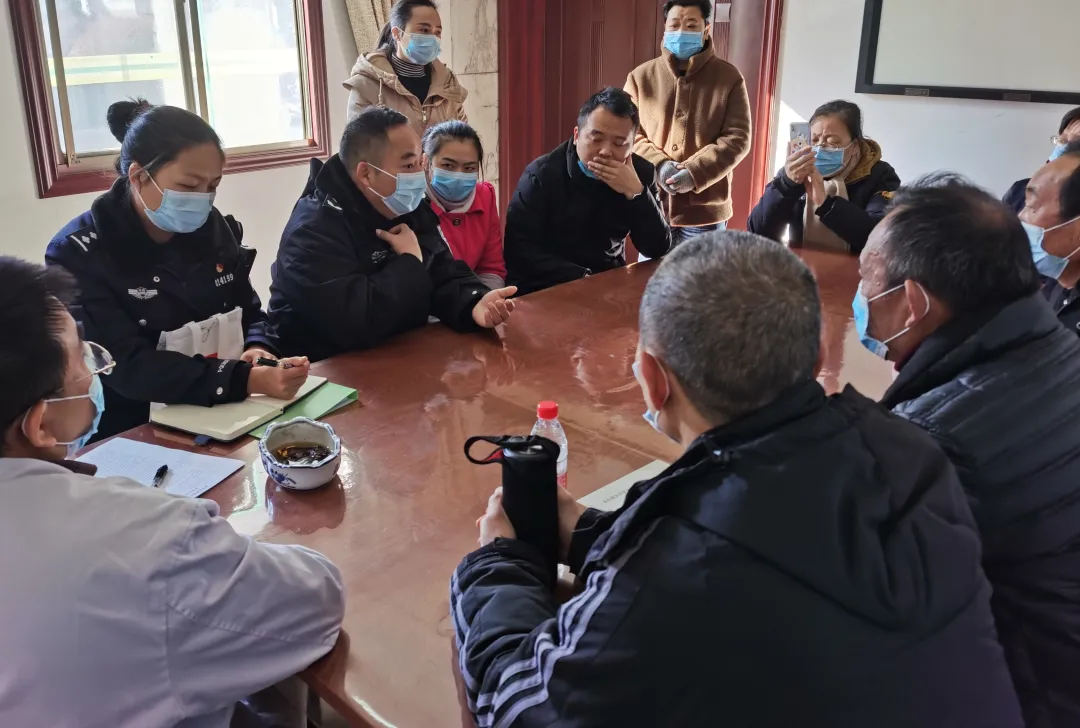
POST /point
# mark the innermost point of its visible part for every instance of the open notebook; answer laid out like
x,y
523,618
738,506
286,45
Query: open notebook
x,y
226,422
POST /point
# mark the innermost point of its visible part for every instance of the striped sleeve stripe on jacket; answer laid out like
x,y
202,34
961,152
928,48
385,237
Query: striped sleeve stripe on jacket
x,y
524,684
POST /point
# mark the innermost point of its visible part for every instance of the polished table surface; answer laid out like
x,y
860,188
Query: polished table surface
x,y
402,513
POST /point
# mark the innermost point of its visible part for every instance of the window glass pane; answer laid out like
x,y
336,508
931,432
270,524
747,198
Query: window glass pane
x,y
114,50
51,70
252,76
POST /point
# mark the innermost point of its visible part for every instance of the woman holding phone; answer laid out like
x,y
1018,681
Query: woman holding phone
x,y
833,190
154,257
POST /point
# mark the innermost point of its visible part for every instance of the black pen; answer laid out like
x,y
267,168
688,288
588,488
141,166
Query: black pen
x,y
159,476
262,361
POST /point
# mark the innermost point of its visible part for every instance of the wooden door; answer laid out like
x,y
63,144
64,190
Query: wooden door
x,y
600,43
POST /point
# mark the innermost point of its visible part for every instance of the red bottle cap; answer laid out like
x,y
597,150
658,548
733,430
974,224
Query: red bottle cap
x,y
547,410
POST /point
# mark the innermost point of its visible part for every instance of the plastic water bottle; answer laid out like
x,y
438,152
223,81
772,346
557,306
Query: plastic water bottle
x,y
547,425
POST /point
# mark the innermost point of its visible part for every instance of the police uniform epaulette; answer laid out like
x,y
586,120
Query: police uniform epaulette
x,y
84,238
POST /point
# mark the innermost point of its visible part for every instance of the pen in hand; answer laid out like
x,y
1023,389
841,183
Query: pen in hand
x,y
262,361
159,476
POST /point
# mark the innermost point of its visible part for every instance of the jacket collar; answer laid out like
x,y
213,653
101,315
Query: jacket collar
x,y
119,228
376,66
970,340
72,466
792,404
870,155
698,61
332,182
579,177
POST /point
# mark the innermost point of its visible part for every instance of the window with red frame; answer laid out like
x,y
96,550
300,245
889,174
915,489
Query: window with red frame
x,y
254,69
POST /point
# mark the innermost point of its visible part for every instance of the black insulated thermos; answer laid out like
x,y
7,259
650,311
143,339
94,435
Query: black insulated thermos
x,y
529,483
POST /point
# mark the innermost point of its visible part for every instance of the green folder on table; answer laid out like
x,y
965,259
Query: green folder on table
x,y
328,398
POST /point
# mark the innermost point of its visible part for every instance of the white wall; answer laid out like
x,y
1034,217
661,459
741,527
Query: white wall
x,y
994,143
262,201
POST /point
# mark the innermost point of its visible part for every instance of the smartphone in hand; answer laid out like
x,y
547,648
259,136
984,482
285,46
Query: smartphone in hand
x,y
800,137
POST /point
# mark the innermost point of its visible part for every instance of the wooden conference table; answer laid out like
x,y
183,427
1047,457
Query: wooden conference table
x,y
403,512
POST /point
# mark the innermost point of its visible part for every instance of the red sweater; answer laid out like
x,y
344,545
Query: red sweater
x,y
475,235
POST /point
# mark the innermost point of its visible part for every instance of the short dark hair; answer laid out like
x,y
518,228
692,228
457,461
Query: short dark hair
x,y
846,111
615,100
366,136
153,136
436,136
1068,119
33,300
737,320
959,242
705,6
400,15
1070,188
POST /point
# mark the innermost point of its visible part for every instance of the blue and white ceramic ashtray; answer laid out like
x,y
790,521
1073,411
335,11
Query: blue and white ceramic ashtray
x,y
301,454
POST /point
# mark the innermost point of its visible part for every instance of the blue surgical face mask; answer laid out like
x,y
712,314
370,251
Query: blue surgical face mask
x,y
860,307
651,416
1048,265
586,170
180,212
829,161
423,48
1059,150
408,194
454,186
683,44
95,395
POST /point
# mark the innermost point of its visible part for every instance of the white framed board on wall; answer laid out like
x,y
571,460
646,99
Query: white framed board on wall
x,y
1004,50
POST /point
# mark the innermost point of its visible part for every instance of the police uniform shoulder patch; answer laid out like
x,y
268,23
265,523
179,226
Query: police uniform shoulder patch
x,y
84,238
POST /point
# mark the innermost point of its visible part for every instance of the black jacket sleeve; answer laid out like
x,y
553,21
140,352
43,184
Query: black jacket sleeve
x,y
590,526
258,331
648,228
142,372
456,291
326,287
776,208
854,223
530,264
526,661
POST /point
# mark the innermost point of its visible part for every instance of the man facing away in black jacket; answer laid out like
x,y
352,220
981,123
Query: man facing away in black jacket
x,y
808,561
362,259
574,207
990,373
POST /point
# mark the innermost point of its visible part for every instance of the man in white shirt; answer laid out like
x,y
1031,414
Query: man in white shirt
x,y
123,606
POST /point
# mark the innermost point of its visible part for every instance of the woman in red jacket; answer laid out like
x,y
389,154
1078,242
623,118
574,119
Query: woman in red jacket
x,y
467,209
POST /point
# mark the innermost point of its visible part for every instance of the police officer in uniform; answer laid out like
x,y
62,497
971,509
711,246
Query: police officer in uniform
x,y
152,255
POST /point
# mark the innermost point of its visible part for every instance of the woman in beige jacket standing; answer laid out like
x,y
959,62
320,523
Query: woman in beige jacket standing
x,y
404,72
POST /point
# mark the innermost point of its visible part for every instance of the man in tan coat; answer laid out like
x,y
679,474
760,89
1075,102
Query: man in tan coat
x,y
695,121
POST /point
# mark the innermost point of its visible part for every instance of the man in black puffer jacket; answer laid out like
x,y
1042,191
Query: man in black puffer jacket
x,y
362,260
987,369
575,206
809,562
